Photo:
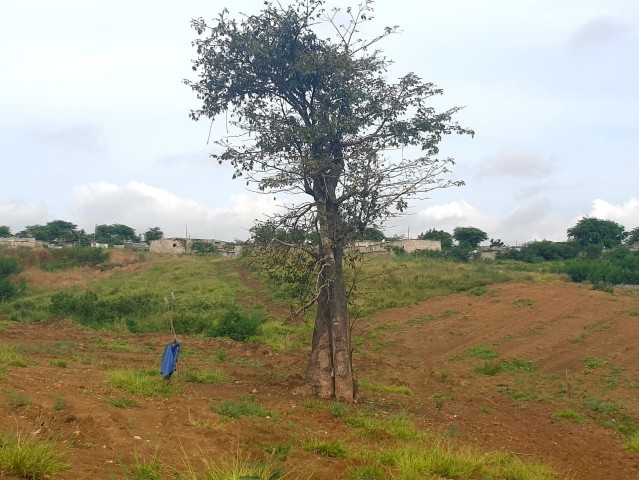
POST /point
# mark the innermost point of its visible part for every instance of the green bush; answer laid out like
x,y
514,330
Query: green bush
x,y
8,266
238,325
542,251
89,309
619,266
58,259
7,290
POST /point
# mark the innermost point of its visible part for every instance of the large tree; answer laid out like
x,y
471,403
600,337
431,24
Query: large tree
x,y
56,231
313,112
444,237
590,231
115,234
5,232
469,237
154,233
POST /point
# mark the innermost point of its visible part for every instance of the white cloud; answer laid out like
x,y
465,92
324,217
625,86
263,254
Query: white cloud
x,y
142,206
83,138
598,31
18,215
517,163
627,213
442,217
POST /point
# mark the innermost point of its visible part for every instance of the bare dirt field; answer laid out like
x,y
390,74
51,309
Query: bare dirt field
x,y
563,348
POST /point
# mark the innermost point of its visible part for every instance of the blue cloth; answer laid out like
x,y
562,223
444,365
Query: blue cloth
x,y
169,359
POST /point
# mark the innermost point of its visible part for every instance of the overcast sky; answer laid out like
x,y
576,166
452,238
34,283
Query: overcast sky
x,y
94,125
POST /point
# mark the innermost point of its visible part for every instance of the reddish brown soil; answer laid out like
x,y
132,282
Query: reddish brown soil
x,y
556,325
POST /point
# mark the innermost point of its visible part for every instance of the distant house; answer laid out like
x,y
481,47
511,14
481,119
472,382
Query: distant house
x,y
635,247
17,242
139,246
177,246
409,246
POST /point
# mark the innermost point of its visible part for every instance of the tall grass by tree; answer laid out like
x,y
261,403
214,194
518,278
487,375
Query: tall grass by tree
x,y
317,115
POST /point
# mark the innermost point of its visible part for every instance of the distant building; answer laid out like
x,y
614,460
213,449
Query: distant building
x,y
409,246
177,246
17,242
139,246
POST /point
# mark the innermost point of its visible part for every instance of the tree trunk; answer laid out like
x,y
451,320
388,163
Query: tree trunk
x,y
330,371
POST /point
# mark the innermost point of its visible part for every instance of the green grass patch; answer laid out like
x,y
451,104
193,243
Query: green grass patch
x,y
440,460
633,443
514,365
27,457
326,448
592,363
59,403
194,376
399,425
58,363
12,356
16,400
480,351
243,407
142,383
397,389
570,415
122,403
119,347
145,469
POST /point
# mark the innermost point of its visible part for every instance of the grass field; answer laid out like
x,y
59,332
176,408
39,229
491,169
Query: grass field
x,y
480,370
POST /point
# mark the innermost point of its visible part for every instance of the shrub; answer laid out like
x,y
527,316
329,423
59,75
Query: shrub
x,y
8,266
89,309
616,267
28,457
7,290
244,407
237,325
73,257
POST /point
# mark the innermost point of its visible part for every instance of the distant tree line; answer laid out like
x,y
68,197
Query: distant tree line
x,y
61,232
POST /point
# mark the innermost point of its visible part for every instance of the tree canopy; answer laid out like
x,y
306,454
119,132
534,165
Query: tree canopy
x,y
5,232
154,233
433,234
313,112
633,236
469,237
595,232
115,234
56,232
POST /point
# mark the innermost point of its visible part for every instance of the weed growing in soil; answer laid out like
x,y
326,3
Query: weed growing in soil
x,y
58,363
149,469
570,415
398,389
515,365
444,462
122,402
11,355
193,376
244,407
633,443
480,351
16,400
142,383
59,403
327,448
398,425
27,457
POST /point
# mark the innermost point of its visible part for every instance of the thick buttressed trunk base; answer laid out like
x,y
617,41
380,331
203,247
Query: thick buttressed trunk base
x,y
330,372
